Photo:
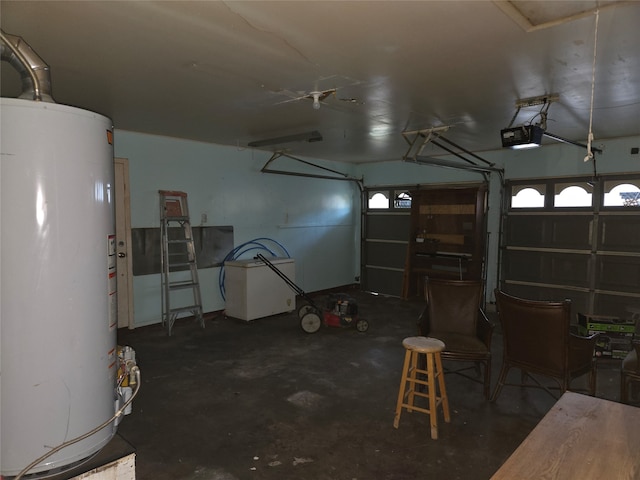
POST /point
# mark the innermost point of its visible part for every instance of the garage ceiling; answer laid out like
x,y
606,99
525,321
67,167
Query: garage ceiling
x,y
239,71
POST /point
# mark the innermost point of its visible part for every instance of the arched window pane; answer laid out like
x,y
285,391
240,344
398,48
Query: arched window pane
x,y
572,195
378,200
621,195
402,200
528,197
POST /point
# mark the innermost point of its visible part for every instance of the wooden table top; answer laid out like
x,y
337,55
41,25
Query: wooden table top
x,y
581,438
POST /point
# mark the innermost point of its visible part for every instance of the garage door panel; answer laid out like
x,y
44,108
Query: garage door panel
x,y
386,254
523,266
569,269
618,273
619,306
570,232
547,267
619,233
561,231
383,281
521,231
388,227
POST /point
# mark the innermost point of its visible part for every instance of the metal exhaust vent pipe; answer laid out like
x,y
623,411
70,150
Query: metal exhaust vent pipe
x,y
34,72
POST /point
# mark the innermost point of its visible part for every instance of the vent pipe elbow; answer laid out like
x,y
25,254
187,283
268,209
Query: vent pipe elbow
x,y
34,72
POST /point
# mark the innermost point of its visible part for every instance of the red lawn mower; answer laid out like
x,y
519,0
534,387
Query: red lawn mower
x,y
340,310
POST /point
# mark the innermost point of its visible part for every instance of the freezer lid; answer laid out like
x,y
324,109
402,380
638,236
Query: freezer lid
x,y
254,262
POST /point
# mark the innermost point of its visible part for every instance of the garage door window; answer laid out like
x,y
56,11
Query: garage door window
x,y
527,196
402,199
573,195
378,200
621,194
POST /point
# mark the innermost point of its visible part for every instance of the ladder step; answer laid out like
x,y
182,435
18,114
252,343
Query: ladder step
x,y
189,308
181,219
182,264
181,240
181,285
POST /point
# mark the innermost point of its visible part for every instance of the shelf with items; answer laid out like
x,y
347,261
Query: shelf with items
x,y
447,236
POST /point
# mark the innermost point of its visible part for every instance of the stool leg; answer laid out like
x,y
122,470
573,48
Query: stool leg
x,y
433,414
403,380
443,389
412,379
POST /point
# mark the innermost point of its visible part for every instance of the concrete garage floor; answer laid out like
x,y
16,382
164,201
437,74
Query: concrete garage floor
x,y
264,400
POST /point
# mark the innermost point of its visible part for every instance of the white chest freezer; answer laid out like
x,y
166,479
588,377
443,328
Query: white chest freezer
x,y
253,290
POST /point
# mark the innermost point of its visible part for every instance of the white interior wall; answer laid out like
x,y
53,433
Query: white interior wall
x,y
316,220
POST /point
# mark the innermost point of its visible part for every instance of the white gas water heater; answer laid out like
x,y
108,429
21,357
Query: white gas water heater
x,y
59,365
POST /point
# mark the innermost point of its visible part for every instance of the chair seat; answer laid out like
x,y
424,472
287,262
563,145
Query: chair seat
x,y
630,363
458,343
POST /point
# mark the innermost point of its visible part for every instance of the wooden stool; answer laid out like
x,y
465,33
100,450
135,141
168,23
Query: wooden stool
x,y
431,348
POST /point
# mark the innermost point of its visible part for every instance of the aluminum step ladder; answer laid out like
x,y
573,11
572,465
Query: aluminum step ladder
x,y
178,261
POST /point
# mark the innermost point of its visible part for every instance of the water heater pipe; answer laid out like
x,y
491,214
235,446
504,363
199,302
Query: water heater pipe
x,y
135,371
34,72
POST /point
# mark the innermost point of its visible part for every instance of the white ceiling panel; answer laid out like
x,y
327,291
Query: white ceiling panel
x,y
239,71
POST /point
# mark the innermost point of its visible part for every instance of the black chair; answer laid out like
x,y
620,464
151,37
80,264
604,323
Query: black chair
x,y
538,340
454,315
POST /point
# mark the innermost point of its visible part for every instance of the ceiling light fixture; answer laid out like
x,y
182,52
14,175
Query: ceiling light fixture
x,y
316,99
522,137
530,135
318,96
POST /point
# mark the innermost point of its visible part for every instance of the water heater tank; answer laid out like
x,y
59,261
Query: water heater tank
x,y
57,285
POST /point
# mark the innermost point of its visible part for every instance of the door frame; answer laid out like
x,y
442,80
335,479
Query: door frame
x,y
123,219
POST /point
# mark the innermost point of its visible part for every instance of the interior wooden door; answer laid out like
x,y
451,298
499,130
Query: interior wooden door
x,y
124,264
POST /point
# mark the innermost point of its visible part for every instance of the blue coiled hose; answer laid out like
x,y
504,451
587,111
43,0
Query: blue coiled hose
x,y
237,252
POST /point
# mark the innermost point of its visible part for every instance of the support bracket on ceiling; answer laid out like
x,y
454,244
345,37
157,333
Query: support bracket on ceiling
x,y
441,162
570,142
336,174
418,140
313,136
544,100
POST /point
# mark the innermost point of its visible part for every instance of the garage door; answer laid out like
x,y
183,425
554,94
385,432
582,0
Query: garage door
x,y
385,239
574,238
